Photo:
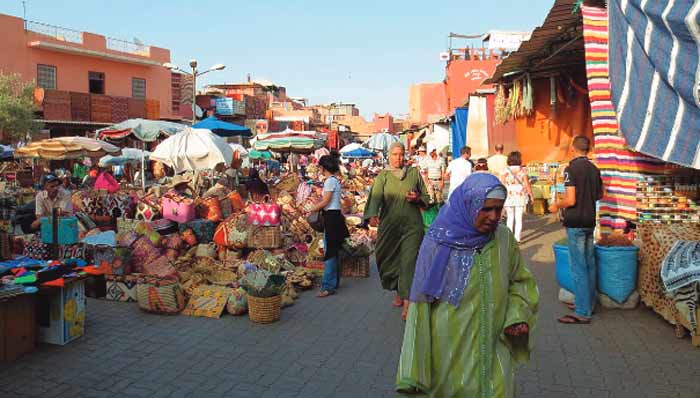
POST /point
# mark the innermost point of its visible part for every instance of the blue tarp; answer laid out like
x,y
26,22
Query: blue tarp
x,y
223,129
654,76
459,131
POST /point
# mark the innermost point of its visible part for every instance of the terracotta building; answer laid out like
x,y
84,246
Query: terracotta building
x,y
85,79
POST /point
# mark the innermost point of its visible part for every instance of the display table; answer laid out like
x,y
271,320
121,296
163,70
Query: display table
x,y
17,326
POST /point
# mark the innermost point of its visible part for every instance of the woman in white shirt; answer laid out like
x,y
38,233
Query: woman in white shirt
x,y
515,179
335,230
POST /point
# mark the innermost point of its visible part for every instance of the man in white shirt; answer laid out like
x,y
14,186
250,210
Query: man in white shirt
x,y
52,196
432,169
459,169
498,162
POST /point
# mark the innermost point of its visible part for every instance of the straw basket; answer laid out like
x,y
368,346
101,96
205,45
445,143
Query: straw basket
x,y
264,310
264,237
160,296
354,267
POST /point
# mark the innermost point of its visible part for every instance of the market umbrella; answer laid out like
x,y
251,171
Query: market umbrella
x,y
66,148
143,129
192,150
321,152
358,153
350,147
129,155
254,154
222,128
239,148
6,152
381,141
290,141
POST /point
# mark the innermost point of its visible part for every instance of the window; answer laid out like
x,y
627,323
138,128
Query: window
x,y
46,76
138,88
96,82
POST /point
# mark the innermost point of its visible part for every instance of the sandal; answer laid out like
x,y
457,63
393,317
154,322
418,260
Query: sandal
x,y
574,320
323,293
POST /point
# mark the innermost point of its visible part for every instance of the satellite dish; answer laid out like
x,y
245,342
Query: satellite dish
x,y
198,111
138,42
444,56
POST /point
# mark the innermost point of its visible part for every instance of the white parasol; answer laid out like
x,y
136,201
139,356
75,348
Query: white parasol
x,y
192,150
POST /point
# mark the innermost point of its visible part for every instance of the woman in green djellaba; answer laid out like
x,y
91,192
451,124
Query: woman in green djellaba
x,y
394,204
473,303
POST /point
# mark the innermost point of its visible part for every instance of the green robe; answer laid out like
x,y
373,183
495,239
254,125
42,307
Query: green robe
x,y
462,351
400,227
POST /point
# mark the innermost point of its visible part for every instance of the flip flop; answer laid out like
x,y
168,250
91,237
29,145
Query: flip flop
x,y
572,320
323,293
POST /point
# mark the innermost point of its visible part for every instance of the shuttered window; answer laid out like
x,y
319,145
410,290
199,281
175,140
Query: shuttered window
x,y
46,76
138,88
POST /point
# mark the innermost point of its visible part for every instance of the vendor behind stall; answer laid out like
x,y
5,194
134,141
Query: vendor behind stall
x,y
221,188
51,196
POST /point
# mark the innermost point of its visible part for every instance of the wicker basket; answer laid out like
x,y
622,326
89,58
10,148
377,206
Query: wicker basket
x,y
260,237
354,267
264,310
160,296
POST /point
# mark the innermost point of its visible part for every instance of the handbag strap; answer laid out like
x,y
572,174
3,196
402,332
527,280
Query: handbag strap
x,y
515,176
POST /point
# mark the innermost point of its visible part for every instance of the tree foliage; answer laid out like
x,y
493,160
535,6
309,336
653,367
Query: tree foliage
x,y
16,108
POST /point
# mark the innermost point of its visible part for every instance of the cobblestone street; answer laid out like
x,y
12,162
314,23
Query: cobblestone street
x,y
345,346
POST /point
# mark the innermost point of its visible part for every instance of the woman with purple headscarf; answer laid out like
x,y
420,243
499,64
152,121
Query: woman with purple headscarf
x,y
473,302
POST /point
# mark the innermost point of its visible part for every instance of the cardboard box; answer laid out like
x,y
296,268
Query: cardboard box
x,y
62,313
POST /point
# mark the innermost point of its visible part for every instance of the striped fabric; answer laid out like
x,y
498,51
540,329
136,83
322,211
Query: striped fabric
x,y
620,167
655,76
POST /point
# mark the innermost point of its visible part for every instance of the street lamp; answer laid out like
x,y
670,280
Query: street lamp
x,y
195,73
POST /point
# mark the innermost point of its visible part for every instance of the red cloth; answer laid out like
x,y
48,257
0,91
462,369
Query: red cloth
x,y
106,181
55,283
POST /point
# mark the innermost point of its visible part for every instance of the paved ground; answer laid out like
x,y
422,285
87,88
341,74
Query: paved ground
x,y
344,346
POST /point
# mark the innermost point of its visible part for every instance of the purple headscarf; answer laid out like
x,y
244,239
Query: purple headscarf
x,y
447,252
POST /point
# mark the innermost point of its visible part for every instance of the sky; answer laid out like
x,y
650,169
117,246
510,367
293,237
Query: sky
x,y
359,51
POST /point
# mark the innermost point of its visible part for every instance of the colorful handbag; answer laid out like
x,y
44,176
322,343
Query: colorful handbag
x,y
121,288
160,267
37,249
264,214
142,253
189,237
67,230
236,200
210,209
126,224
177,208
148,208
126,239
237,302
164,226
71,251
160,295
203,229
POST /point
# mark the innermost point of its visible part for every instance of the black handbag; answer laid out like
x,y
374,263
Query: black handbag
x,y
315,220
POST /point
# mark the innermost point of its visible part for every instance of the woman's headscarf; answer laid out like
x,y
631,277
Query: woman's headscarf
x,y
399,172
440,272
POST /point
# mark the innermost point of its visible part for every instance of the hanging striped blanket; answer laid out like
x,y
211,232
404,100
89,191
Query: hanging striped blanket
x,y
655,75
620,168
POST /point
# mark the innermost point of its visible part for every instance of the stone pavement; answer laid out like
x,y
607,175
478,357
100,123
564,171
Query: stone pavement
x,y
345,346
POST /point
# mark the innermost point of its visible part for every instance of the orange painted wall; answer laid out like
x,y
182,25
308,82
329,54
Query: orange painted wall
x,y
464,77
72,69
427,102
541,139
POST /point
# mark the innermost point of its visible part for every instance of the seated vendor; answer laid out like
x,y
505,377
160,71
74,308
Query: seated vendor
x,y
52,195
181,185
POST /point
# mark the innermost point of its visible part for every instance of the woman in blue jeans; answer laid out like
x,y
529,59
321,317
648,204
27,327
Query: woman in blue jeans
x,y
335,230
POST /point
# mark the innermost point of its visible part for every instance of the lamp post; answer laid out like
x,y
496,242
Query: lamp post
x,y
195,73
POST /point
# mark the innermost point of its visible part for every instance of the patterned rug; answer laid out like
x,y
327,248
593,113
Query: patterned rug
x,y
620,167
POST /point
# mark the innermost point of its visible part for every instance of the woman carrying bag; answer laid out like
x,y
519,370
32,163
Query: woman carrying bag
x,y
334,229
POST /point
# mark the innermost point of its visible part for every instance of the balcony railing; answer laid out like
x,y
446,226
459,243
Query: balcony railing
x,y
57,32
128,47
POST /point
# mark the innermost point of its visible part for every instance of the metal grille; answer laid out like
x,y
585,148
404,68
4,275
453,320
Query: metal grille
x,y
138,88
46,76
57,32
